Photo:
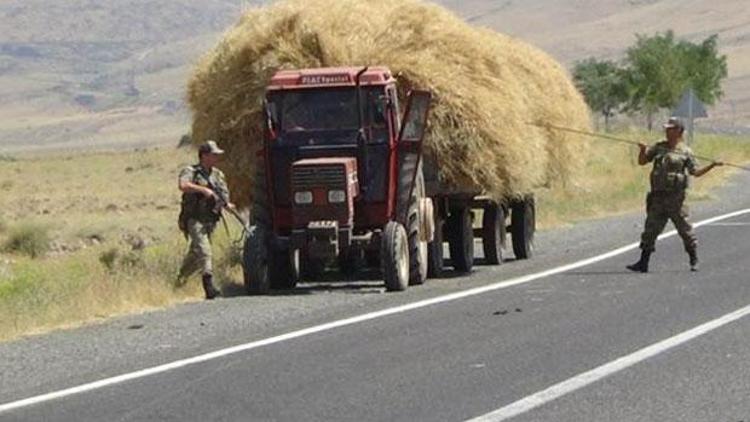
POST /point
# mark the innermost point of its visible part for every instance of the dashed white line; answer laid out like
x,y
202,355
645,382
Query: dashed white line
x,y
106,382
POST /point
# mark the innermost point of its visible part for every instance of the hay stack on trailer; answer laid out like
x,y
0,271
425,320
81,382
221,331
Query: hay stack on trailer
x,y
487,88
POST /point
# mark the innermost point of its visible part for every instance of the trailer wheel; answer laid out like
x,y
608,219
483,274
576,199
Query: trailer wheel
x,y
436,260
461,241
523,226
493,233
418,251
255,262
395,257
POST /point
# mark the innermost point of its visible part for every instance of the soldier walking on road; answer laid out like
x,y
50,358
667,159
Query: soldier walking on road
x,y
674,163
201,210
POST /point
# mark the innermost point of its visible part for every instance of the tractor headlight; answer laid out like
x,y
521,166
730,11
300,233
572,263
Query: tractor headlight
x,y
336,196
303,197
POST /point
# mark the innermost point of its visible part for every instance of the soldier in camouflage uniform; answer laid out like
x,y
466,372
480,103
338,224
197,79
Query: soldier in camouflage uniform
x,y
674,163
201,210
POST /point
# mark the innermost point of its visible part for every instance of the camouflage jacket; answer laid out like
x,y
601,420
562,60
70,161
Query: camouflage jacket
x,y
672,167
195,205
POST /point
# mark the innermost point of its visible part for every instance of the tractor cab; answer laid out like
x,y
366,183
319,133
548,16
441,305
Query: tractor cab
x,y
337,167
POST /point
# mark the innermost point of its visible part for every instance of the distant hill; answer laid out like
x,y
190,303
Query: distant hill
x,y
79,73
575,29
93,74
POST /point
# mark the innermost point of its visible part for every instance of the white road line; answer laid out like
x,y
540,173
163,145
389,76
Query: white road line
x,y
334,324
582,380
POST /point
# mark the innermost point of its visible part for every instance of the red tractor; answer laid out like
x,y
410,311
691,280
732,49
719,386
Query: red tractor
x,y
341,179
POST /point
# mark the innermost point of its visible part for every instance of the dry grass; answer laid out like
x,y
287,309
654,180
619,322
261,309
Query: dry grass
x,y
487,87
108,278
95,208
614,183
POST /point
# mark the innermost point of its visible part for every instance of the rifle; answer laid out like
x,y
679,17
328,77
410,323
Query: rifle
x,y
223,204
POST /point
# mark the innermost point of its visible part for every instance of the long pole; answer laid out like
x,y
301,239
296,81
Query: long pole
x,y
622,140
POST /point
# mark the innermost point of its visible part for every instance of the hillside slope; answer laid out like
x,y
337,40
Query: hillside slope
x,y
91,74
576,29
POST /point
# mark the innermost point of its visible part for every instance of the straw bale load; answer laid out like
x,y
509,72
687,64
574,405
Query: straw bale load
x,y
487,88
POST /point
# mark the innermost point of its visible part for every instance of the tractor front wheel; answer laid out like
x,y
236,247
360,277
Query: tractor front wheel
x,y
285,269
395,257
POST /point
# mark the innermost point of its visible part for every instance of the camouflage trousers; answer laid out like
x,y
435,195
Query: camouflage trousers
x,y
199,253
663,206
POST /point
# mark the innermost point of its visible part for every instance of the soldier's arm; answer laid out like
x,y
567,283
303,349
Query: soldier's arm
x,y
186,185
222,186
698,172
643,158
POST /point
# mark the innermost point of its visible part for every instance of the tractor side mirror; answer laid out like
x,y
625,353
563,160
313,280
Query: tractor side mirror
x,y
272,119
415,118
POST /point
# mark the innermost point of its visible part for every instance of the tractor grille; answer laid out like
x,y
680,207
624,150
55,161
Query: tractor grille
x,y
318,177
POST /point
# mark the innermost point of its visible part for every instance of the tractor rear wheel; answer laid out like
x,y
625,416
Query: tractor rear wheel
x,y
395,257
493,233
256,254
523,226
461,241
418,250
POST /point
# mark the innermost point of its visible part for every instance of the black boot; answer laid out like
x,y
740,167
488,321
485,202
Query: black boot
x,y
208,287
642,265
693,260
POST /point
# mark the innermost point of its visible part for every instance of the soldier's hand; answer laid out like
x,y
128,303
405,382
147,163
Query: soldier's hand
x,y
208,193
231,206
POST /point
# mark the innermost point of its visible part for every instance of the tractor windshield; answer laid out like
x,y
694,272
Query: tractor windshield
x,y
331,111
319,110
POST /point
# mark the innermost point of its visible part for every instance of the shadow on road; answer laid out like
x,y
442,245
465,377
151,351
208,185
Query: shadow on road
x,y
364,281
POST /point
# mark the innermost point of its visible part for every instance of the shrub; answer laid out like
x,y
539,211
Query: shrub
x,y
28,239
109,257
133,260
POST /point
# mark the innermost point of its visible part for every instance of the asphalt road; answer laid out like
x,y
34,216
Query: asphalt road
x,y
452,360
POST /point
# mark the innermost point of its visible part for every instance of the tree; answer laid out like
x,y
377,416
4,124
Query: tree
x,y
654,74
659,69
602,83
705,68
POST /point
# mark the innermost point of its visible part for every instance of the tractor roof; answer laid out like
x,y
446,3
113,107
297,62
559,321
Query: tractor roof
x,y
327,77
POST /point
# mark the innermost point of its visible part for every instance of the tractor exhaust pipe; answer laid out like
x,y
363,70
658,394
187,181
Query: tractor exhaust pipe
x,y
361,134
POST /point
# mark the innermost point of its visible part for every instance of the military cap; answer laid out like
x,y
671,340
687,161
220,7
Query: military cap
x,y
674,122
210,147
